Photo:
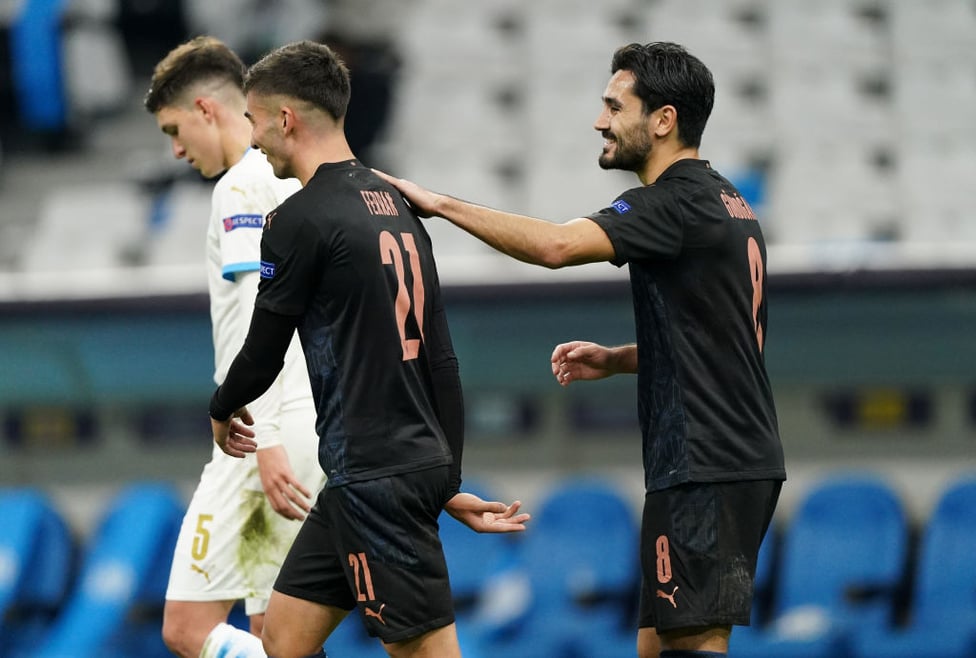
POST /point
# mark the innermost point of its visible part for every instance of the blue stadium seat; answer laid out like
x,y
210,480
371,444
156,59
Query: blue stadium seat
x,y
580,562
942,620
842,562
36,561
115,609
37,66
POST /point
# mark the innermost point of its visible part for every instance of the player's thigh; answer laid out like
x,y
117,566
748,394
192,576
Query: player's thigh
x,y
648,643
712,638
297,627
439,643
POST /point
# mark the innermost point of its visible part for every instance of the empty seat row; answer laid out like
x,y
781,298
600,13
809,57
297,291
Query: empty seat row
x,y
60,598
847,575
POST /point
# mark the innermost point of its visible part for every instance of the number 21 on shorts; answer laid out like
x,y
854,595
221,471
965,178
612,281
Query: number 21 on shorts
x,y
362,577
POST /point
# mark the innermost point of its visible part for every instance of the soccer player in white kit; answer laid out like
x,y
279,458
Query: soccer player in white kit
x,y
244,514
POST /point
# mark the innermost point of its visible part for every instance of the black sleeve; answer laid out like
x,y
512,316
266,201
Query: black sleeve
x,y
448,396
257,364
642,224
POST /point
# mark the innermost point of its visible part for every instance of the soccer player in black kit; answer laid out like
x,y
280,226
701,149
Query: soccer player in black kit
x,y
348,264
713,461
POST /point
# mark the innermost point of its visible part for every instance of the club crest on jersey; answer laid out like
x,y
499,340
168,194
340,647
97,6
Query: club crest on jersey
x,y
620,206
267,270
242,221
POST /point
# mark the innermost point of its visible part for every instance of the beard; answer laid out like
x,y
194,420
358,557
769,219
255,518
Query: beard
x,y
628,155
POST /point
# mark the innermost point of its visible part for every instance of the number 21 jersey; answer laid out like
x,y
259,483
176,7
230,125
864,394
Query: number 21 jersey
x,y
349,257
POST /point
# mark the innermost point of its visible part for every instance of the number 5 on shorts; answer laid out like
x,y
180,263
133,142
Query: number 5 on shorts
x,y
201,540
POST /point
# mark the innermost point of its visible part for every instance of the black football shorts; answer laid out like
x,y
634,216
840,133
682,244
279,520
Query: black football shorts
x,y
375,545
699,546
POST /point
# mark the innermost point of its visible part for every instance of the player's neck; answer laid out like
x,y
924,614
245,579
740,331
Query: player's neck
x,y
663,156
331,148
235,143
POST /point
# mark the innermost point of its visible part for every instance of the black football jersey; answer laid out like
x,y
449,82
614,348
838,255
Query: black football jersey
x,y
349,256
697,263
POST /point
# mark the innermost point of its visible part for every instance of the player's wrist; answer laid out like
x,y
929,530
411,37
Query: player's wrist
x,y
218,411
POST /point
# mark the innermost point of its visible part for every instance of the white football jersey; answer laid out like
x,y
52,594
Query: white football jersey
x,y
247,192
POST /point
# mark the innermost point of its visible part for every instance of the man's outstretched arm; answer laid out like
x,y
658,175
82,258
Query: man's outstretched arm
x,y
528,239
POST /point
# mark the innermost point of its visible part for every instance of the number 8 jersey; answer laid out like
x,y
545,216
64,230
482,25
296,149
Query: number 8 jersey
x,y
348,256
697,270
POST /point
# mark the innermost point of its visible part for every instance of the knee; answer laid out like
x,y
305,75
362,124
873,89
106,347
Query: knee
x,y
175,637
276,646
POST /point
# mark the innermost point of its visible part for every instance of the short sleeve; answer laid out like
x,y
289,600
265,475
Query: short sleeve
x,y
240,221
642,224
289,264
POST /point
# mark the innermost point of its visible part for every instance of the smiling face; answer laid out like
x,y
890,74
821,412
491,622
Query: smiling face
x,y
194,136
267,132
626,129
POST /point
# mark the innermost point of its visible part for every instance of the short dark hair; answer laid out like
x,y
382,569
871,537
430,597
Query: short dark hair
x,y
203,58
306,70
667,74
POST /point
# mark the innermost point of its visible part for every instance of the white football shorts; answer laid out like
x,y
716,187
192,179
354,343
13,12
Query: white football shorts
x,y
231,543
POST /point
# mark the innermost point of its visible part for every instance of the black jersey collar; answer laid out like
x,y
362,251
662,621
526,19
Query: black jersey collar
x,y
334,166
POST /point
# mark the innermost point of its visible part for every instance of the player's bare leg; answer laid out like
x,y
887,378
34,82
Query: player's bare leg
x,y
711,638
438,643
648,643
296,628
257,624
186,624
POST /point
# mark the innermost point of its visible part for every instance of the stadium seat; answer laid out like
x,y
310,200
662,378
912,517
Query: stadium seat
x,y
942,620
36,560
77,230
37,67
580,564
842,561
115,609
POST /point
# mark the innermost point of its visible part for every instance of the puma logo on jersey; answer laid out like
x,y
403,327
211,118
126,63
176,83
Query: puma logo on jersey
x,y
669,597
206,575
377,614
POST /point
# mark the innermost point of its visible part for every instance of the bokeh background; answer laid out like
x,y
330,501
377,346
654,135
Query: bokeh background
x,y
850,125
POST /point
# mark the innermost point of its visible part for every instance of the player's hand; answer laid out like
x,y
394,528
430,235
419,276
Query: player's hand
x,y
233,435
424,201
484,516
580,360
286,494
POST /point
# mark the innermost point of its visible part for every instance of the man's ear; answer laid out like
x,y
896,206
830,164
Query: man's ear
x,y
288,119
205,106
664,120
